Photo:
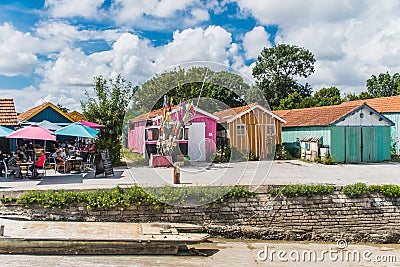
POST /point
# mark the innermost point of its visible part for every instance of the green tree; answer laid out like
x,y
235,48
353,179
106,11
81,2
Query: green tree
x,y
361,96
106,104
295,100
327,97
277,69
292,101
62,108
383,85
189,84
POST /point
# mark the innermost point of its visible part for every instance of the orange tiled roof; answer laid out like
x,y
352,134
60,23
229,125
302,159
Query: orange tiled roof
x,y
227,114
35,110
29,112
152,114
318,116
8,116
382,104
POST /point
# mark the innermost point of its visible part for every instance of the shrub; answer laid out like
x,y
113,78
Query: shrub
x,y
118,197
355,190
281,153
389,190
302,190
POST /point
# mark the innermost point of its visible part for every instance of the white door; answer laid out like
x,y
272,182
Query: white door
x,y
197,142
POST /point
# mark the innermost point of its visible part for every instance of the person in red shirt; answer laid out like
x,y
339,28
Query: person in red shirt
x,y
38,164
92,148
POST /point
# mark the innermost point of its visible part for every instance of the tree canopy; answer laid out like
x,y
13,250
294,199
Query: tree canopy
x,y
383,85
222,86
323,97
279,67
106,104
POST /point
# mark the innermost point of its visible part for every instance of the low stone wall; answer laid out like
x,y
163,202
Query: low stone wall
x,y
370,218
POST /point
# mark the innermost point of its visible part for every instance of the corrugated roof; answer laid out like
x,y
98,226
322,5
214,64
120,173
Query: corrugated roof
x,y
8,116
309,138
230,114
318,116
382,104
35,110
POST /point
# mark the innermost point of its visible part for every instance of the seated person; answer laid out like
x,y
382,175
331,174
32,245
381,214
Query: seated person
x,y
38,164
21,155
62,161
12,165
1,163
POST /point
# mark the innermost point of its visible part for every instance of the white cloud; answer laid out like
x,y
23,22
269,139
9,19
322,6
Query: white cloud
x,y
292,12
74,8
254,41
351,40
17,50
158,14
195,44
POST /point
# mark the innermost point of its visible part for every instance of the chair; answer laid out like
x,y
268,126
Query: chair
x,y
42,170
51,161
6,170
63,165
88,164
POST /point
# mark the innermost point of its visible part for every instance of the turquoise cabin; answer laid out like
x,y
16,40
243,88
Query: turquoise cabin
x,y
352,132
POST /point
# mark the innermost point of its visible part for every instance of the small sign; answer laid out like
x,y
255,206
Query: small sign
x,y
104,164
267,208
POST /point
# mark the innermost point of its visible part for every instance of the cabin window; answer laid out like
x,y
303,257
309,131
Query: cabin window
x,y
240,129
132,126
183,134
271,130
152,134
186,134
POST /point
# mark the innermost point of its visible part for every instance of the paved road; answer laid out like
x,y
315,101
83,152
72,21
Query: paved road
x,y
255,173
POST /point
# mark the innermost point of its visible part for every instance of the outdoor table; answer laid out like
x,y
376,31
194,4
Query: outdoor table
x,y
27,165
74,161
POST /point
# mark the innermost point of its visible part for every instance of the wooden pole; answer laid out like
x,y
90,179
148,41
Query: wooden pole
x,y
177,175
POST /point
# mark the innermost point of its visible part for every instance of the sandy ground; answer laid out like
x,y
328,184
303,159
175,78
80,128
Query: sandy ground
x,y
234,253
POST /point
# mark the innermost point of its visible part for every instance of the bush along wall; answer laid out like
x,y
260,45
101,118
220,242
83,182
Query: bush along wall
x,y
358,213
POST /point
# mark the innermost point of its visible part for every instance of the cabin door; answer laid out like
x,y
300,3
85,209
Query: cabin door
x,y
197,141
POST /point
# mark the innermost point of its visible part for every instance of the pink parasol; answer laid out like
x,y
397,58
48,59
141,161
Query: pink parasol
x,y
91,124
34,132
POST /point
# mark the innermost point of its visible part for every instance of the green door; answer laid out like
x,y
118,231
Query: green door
x,y
353,144
370,144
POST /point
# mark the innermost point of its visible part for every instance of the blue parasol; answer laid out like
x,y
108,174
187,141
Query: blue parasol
x,y
4,131
77,129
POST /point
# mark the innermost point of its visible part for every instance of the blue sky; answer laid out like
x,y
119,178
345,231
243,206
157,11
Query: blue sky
x,y
51,50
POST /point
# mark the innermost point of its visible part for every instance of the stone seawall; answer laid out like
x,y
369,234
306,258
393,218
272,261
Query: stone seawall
x,y
369,218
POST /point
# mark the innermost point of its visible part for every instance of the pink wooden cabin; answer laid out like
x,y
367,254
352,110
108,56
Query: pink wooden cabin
x,y
197,140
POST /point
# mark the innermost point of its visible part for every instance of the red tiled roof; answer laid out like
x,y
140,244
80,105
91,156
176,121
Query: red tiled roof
x,y
8,116
382,104
318,116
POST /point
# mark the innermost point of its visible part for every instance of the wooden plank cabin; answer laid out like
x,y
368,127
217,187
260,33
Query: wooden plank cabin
x,y
251,129
196,139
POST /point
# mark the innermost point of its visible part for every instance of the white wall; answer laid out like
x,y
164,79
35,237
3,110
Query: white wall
x,y
366,120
